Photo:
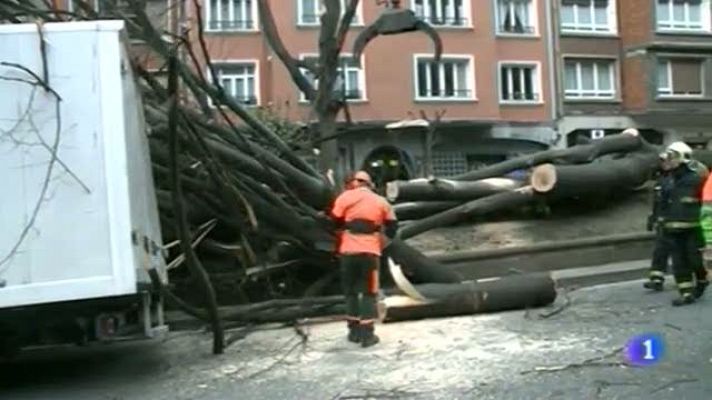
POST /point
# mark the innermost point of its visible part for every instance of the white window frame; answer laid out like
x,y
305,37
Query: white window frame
x,y
361,77
685,26
206,18
254,62
466,13
469,76
672,95
357,21
536,81
582,95
533,20
611,27
94,4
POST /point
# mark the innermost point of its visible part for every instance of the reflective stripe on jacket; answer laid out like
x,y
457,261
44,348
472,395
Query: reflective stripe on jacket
x,y
680,199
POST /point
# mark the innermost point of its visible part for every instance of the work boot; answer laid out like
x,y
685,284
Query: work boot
x,y
354,335
654,285
700,288
683,300
368,338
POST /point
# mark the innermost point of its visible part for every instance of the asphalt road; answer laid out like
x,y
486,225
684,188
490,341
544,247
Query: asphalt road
x,y
574,354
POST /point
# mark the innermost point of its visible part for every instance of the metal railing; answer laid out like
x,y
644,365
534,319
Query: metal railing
x,y
231,25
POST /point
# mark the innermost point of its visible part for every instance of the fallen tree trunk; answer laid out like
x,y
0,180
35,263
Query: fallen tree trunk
x,y
444,300
598,179
421,209
449,190
417,266
479,207
585,153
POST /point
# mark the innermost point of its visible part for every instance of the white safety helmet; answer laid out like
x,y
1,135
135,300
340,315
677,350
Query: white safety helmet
x,y
678,151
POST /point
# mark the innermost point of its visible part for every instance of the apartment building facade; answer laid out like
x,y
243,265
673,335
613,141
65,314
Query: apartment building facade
x,y
494,81
516,76
639,63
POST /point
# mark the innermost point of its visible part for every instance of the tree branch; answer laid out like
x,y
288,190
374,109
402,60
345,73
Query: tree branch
x,y
271,32
345,24
197,271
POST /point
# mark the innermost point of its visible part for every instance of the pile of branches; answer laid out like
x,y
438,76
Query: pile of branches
x,y
602,169
238,206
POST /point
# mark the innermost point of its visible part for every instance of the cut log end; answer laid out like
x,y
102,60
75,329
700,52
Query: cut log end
x,y
543,178
631,132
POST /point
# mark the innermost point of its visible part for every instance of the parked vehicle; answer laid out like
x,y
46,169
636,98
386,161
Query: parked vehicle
x,y
78,212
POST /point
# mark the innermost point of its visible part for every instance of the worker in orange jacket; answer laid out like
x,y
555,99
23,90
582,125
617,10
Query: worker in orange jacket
x,y
363,217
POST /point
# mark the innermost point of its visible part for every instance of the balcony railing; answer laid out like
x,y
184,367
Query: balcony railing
x,y
231,25
443,21
517,29
445,94
351,94
521,96
246,100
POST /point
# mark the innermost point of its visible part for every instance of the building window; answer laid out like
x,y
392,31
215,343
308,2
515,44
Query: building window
x,y
449,163
441,12
519,83
451,78
102,7
310,12
230,15
239,81
515,16
680,77
683,15
589,79
351,82
594,16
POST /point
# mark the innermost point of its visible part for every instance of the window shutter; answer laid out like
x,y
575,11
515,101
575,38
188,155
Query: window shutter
x,y
686,76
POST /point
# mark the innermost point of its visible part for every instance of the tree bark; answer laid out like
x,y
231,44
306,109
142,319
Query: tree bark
x,y
421,209
444,300
598,179
417,267
479,207
447,190
198,273
573,155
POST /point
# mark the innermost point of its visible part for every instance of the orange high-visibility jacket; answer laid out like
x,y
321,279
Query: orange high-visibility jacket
x,y
361,204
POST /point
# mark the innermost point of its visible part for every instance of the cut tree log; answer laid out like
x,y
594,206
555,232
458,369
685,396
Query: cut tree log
x,y
417,266
421,209
479,207
447,190
627,141
443,300
598,179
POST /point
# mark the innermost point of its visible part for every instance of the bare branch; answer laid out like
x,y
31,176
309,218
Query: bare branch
x,y
269,28
345,23
197,271
50,168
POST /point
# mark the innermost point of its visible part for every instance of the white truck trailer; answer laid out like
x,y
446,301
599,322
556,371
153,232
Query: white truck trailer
x,y
79,226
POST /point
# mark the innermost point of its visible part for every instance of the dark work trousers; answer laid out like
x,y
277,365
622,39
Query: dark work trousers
x,y
687,262
661,254
359,280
